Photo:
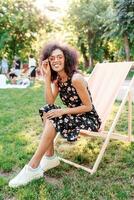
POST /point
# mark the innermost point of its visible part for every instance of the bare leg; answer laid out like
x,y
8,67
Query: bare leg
x,y
45,144
50,150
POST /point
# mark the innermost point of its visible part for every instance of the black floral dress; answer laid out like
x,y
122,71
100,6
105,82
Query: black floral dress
x,y
69,125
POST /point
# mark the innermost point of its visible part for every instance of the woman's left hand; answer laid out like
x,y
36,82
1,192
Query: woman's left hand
x,y
54,113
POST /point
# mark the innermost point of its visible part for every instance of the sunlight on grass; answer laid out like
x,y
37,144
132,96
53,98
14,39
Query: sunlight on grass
x,y
20,132
37,84
84,150
122,125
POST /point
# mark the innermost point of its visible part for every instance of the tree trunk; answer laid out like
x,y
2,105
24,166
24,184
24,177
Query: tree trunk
x,y
91,62
90,47
126,46
86,61
84,51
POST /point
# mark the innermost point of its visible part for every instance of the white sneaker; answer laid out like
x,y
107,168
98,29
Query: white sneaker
x,y
26,175
49,163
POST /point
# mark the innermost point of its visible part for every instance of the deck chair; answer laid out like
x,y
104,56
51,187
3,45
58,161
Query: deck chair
x,y
104,84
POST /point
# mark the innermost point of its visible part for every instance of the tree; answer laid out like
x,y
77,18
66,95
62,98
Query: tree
x,y
20,22
87,18
125,20
119,26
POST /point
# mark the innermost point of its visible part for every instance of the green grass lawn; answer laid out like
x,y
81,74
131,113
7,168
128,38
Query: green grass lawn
x,y
20,129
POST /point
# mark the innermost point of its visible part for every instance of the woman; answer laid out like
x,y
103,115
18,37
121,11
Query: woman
x,y
61,77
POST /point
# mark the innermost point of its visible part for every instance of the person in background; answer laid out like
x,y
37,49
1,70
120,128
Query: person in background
x,y
17,66
32,67
4,66
15,71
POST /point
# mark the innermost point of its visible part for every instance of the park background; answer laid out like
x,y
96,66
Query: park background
x,y
102,31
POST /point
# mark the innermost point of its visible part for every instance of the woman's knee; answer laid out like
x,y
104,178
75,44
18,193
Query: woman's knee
x,y
47,121
49,129
49,125
44,118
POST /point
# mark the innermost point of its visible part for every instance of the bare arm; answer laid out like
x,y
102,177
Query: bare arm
x,y
51,90
81,87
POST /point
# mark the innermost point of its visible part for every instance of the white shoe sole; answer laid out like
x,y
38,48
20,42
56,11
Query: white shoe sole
x,y
19,185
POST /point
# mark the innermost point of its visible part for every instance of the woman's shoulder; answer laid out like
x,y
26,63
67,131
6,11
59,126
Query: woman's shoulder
x,y
77,78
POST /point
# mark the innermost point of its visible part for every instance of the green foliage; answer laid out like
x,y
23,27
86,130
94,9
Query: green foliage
x,y
125,19
119,28
87,19
103,30
125,15
20,22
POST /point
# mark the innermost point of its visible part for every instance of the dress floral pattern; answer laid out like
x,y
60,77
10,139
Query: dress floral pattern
x,y
69,125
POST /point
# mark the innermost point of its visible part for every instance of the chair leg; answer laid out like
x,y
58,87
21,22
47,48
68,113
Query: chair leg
x,y
130,116
104,146
55,139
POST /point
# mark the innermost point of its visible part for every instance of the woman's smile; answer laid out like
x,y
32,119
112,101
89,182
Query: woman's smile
x,y
56,65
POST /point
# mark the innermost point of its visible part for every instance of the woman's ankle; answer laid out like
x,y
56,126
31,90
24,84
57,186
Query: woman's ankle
x,y
34,163
49,154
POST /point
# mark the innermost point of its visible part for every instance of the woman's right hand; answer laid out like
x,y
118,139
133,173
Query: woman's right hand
x,y
46,69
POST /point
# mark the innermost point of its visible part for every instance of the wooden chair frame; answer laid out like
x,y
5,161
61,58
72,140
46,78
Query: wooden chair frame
x,y
107,135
